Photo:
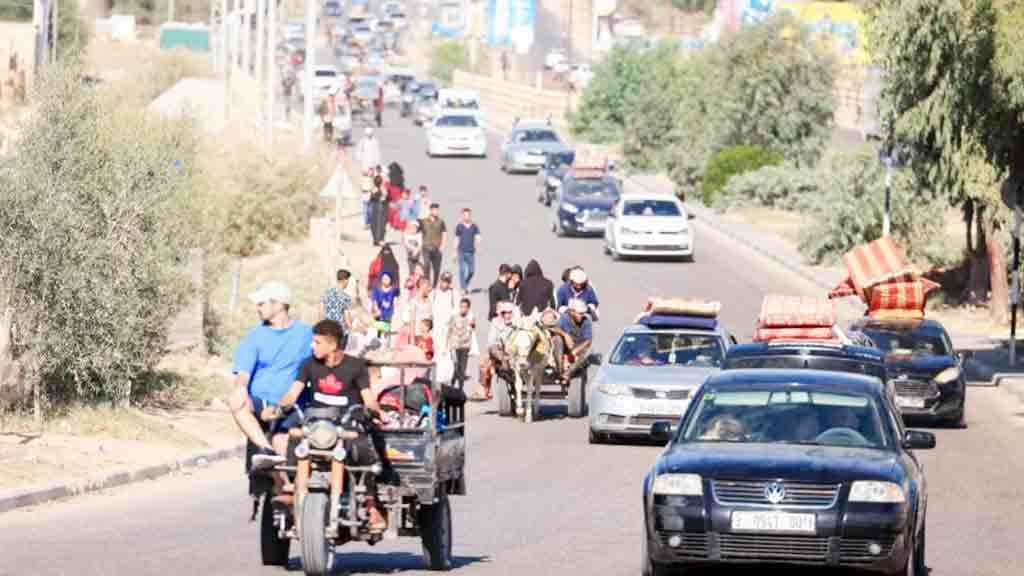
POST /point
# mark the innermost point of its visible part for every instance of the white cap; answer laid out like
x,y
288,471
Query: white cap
x,y
577,305
577,276
273,290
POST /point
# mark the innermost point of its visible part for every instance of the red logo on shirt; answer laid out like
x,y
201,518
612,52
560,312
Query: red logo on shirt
x,y
331,384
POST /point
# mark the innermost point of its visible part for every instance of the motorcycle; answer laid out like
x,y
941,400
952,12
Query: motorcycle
x,y
345,461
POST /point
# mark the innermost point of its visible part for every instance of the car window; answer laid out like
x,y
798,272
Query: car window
x,y
661,349
801,361
592,189
910,342
784,415
560,159
650,208
536,136
461,103
326,73
457,121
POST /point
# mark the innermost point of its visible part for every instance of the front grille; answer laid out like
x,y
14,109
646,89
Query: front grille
x,y
648,419
694,544
917,388
752,493
855,550
773,547
653,247
652,394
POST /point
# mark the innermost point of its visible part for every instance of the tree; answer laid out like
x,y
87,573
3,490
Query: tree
x,y
769,85
649,131
954,101
612,95
446,58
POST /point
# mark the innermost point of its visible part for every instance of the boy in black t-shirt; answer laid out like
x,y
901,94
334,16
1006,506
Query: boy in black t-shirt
x,y
332,378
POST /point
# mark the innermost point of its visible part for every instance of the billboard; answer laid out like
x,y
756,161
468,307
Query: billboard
x,y
511,23
841,23
452,18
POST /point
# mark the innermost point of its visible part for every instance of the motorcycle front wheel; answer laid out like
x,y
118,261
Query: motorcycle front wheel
x,y
316,550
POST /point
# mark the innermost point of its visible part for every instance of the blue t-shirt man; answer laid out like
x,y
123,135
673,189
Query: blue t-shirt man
x,y
272,358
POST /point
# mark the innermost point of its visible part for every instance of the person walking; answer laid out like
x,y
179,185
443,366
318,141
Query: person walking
x,y
378,211
327,112
336,304
435,233
368,151
378,106
287,90
461,337
412,241
467,235
536,293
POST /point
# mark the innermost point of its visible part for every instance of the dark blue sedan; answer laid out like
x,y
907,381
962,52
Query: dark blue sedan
x,y
788,466
583,202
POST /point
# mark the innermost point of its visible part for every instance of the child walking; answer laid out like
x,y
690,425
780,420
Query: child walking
x,y
461,337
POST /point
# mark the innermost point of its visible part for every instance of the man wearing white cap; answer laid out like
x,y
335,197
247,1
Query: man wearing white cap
x,y
266,362
501,328
576,333
577,286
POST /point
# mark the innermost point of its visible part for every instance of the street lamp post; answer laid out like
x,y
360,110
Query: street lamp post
x,y
890,156
307,77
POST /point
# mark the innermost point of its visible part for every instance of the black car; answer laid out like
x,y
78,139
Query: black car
x,y
925,371
809,354
788,466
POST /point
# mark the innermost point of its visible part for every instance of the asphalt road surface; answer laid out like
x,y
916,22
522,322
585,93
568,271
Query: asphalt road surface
x,y
541,500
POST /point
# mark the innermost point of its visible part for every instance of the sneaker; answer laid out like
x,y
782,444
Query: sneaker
x,y
266,458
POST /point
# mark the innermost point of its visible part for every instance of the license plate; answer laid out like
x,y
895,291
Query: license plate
x,y
908,402
773,522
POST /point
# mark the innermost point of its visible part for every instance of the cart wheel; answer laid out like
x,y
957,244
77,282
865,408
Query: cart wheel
x,y
316,550
504,399
578,396
436,533
273,548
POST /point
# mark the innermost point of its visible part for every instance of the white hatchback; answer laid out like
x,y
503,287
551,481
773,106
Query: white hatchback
x,y
643,224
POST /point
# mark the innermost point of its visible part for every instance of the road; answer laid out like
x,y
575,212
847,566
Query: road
x,y
541,499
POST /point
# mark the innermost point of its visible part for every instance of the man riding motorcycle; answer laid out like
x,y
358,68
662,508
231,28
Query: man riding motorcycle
x,y
577,286
332,378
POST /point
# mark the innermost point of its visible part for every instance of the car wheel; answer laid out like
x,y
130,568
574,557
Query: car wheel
x,y
959,419
596,437
614,254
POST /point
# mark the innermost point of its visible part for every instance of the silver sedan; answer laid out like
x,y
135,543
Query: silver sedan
x,y
526,147
651,374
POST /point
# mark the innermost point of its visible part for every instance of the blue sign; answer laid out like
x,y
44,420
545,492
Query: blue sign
x,y
511,22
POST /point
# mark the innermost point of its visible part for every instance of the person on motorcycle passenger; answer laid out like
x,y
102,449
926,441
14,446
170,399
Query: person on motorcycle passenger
x,y
501,327
575,333
577,287
265,364
330,377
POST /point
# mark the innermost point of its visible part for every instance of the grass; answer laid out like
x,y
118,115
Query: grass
x,y
782,223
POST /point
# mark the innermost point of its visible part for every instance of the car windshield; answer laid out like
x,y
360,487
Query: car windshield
x,y
457,121
786,414
326,73
461,103
668,349
908,342
592,189
536,136
650,208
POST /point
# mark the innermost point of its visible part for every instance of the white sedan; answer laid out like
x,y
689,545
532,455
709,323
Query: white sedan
x,y
456,134
648,225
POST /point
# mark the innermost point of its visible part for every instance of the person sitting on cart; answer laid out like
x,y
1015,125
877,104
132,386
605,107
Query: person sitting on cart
x,y
330,377
501,327
574,336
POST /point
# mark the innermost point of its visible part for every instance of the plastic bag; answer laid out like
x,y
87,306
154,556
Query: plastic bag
x,y
445,367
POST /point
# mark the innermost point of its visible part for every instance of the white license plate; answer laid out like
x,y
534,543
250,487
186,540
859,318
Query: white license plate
x,y
773,522
908,402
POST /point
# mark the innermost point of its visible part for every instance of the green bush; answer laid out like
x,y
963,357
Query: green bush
x,y
100,209
848,206
734,161
650,123
775,186
446,58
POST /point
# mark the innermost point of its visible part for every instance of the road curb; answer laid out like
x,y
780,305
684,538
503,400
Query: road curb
x,y
33,496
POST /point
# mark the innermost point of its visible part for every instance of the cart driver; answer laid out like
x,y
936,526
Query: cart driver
x,y
501,328
332,378
576,332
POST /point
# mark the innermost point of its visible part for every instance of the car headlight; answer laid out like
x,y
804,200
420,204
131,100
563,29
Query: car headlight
x,y
678,485
948,375
323,435
570,208
877,492
554,182
612,389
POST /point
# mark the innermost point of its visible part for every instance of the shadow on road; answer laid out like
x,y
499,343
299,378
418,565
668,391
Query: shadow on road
x,y
384,563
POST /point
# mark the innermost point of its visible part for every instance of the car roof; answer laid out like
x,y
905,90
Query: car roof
x,y
644,329
533,125
649,196
819,379
809,348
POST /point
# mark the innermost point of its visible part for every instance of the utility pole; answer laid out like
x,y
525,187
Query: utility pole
x,y
261,39
225,70
307,77
246,36
56,29
568,51
271,72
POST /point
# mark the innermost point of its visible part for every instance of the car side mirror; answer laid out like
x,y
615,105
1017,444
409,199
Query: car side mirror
x,y
595,359
661,430
965,355
918,440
